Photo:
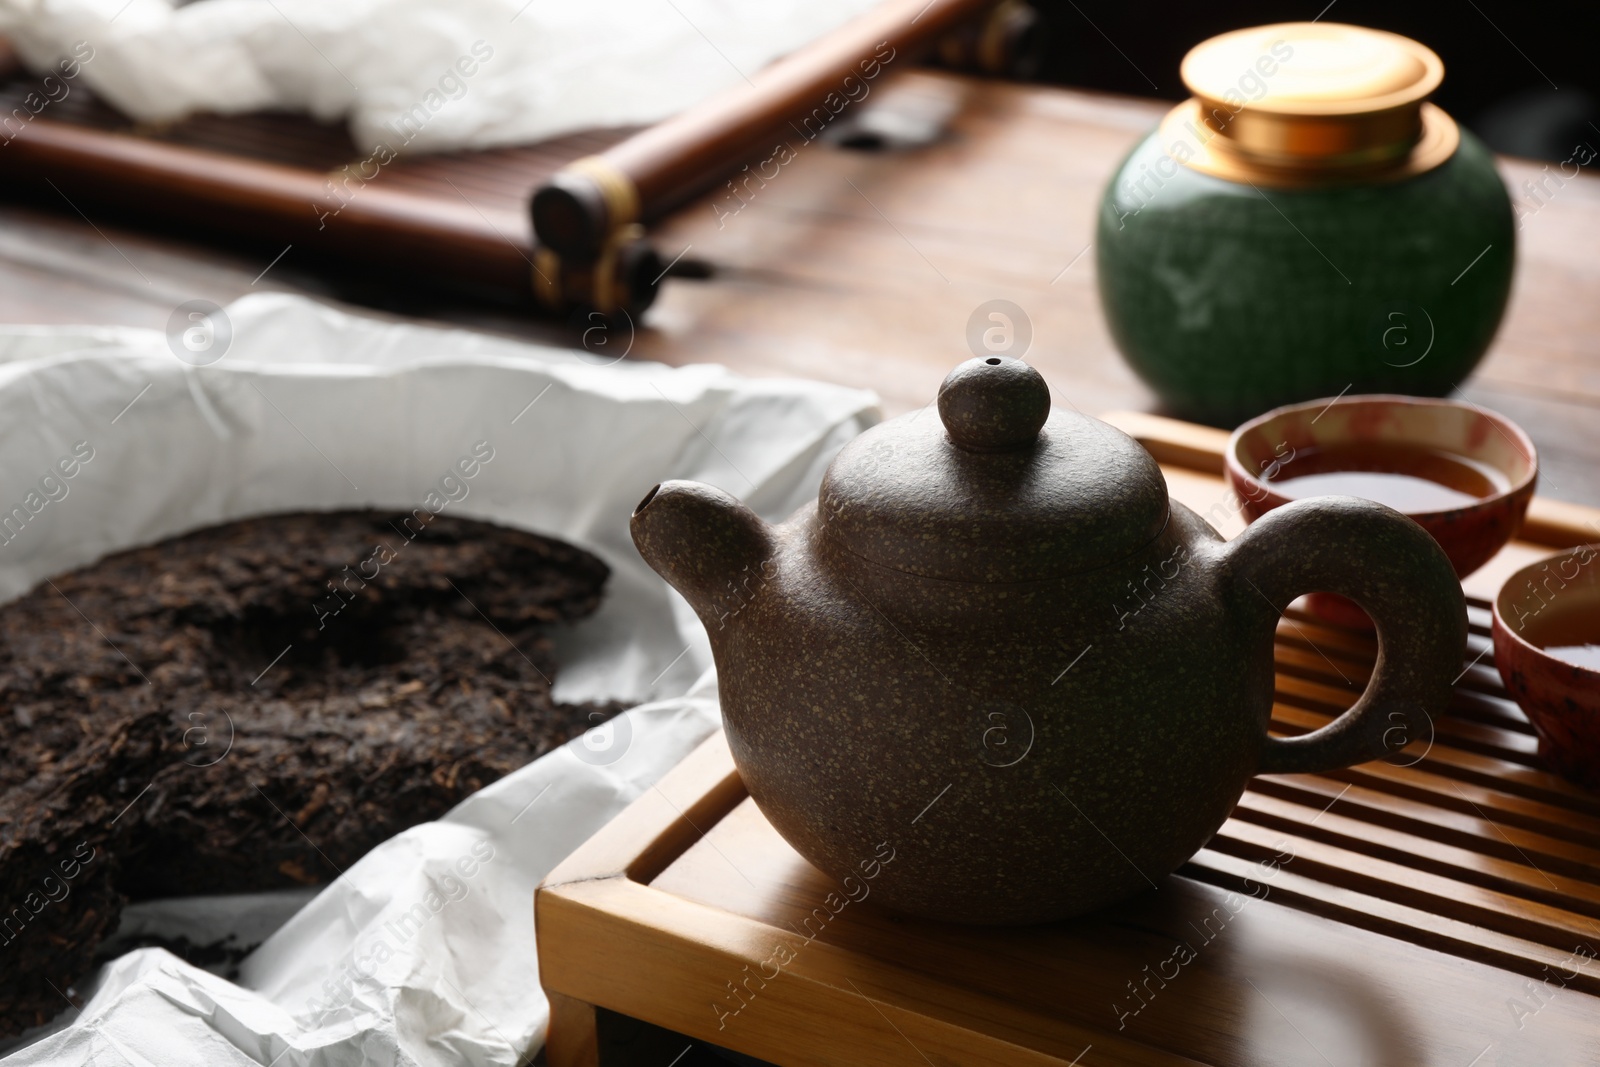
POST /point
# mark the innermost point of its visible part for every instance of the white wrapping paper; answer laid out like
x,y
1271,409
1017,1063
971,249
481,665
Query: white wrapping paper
x,y
423,952
537,67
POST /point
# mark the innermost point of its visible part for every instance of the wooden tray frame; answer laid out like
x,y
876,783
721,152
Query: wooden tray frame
x,y
1398,862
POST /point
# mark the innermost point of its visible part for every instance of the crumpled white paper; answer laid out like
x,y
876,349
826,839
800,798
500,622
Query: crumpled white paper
x,y
313,408
538,67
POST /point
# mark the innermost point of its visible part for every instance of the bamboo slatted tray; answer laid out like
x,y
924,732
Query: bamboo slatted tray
x,y
1440,907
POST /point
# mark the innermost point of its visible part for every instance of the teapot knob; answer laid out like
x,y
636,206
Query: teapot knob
x,y
994,404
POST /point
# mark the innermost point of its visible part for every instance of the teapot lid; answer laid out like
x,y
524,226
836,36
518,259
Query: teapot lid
x,y
998,488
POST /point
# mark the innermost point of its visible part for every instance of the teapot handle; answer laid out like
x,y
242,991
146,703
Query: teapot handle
x,y
1398,574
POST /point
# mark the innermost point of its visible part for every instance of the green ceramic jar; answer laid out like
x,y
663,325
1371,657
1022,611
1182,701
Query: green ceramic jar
x,y
1255,252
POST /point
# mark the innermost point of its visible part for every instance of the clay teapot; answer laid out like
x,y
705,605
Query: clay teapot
x,y
995,675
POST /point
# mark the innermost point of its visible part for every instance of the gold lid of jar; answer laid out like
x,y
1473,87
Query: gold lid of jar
x,y
1309,104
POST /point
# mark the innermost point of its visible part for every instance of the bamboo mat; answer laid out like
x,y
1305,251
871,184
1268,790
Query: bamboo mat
x,y
500,179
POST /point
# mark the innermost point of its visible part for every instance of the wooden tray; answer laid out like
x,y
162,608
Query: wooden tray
x,y
1441,907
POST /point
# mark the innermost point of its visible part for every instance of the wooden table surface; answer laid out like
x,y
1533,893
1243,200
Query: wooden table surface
x,y
862,267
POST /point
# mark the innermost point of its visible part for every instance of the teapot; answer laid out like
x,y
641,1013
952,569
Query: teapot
x,y
995,675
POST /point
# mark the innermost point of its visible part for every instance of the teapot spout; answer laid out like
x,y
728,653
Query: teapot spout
x,y
705,543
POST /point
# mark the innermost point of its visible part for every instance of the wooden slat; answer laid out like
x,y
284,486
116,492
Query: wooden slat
x,y
1417,926
1467,829
1363,870
1451,768
1500,806
1521,877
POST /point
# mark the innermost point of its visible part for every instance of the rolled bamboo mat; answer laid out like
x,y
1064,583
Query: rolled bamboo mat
x,y
463,218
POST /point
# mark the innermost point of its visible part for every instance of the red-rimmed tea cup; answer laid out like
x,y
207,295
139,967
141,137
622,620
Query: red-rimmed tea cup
x,y
1470,534
1561,698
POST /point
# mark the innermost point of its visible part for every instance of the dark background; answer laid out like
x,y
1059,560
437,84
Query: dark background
x,y
1525,76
